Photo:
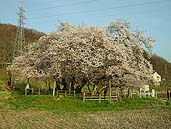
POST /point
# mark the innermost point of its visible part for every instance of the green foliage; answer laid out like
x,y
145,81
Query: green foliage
x,y
168,104
162,87
20,86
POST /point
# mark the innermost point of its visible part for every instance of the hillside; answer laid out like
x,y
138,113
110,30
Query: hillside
x,y
162,66
7,39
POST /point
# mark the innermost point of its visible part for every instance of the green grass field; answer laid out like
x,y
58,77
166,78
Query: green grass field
x,y
17,101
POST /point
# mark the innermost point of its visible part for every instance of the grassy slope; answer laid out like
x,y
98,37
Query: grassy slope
x,y
69,104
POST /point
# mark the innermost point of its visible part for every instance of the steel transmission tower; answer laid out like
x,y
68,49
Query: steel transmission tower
x,y
19,45
18,48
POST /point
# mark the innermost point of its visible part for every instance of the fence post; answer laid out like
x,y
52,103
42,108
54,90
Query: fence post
x,y
54,86
140,92
131,94
118,95
144,94
57,92
156,94
65,93
83,96
99,98
39,91
74,93
25,91
32,91
70,88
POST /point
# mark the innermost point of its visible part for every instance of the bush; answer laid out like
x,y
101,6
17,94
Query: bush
x,y
19,87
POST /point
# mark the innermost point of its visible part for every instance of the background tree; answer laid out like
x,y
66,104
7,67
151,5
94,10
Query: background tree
x,y
162,66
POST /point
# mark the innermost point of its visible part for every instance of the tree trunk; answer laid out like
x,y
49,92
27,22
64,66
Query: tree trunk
x,y
120,93
78,89
89,88
129,93
70,88
58,85
49,87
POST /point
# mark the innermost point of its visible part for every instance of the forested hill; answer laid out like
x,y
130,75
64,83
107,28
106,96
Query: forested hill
x,y
7,39
162,66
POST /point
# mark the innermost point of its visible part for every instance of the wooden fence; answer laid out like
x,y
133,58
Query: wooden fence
x,y
143,94
40,91
88,97
99,98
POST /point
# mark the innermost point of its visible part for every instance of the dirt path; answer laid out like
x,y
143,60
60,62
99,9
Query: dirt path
x,y
136,119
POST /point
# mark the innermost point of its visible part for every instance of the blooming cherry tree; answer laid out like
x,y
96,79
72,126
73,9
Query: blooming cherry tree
x,y
88,54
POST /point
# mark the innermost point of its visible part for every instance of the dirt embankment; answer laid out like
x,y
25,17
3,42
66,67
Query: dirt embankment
x,y
134,119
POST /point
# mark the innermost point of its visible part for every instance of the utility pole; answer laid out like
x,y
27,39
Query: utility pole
x,y
20,35
19,43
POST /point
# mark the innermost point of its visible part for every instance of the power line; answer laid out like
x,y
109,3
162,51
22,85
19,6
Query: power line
x,y
8,19
64,5
94,10
109,16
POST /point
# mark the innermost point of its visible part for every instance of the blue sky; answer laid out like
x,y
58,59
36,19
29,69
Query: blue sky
x,y
152,17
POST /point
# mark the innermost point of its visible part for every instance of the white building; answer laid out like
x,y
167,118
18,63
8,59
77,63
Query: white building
x,y
156,78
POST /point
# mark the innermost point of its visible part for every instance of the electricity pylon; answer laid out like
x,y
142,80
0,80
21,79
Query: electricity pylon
x,y
19,43
20,35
